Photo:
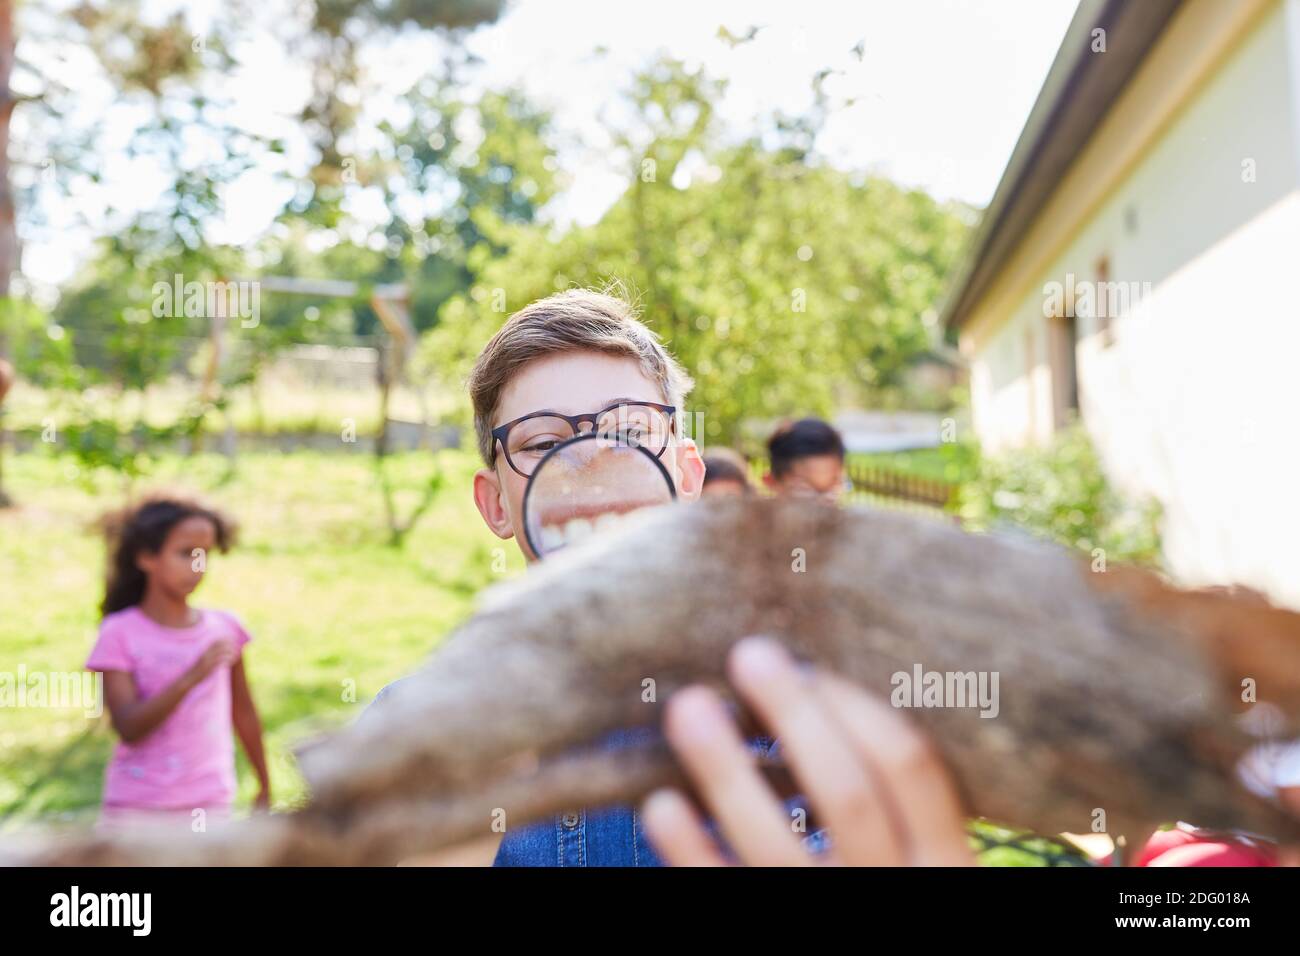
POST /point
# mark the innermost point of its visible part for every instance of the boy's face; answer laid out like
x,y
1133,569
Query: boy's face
x,y
571,383
816,476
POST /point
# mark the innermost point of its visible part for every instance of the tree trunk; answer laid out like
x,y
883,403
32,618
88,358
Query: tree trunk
x,y
8,234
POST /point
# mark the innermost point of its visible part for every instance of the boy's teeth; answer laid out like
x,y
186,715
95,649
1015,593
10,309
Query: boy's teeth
x,y
574,530
577,529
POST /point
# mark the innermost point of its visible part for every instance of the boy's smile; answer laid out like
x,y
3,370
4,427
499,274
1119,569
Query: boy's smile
x,y
572,383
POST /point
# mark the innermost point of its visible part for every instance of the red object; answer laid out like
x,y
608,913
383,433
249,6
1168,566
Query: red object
x,y
1186,847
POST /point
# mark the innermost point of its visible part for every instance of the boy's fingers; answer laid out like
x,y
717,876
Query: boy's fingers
x,y
918,781
677,832
829,767
716,759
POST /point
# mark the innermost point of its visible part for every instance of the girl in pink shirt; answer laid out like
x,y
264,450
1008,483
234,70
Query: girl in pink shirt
x,y
174,678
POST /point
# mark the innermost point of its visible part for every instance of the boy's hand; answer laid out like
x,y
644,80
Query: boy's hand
x,y
220,653
872,778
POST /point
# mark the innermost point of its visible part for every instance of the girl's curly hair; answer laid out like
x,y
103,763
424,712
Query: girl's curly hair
x,y
143,527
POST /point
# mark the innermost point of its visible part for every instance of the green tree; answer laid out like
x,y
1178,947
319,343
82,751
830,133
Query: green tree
x,y
785,285
134,55
336,32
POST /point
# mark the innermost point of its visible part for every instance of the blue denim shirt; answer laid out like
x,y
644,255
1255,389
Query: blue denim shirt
x,y
609,836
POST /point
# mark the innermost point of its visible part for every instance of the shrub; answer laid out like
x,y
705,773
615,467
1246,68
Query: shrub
x,y
1060,492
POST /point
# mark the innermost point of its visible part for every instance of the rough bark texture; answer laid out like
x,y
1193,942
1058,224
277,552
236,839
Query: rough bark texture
x,y
1116,692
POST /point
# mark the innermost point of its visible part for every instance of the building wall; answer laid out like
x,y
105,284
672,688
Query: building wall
x,y
1190,394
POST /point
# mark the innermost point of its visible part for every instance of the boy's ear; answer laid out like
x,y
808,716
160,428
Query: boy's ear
x,y
491,503
690,470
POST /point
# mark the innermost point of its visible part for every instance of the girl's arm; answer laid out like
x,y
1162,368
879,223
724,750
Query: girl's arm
x,y
248,726
134,718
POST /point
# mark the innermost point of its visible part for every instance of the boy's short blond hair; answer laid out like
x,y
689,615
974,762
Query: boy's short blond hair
x,y
574,320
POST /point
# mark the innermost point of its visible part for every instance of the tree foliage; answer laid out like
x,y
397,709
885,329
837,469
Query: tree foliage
x,y
782,283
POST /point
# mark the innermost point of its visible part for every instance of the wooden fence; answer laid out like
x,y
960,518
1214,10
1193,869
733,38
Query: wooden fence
x,y
872,480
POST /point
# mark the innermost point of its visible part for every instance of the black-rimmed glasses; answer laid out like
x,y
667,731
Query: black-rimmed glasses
x,y
526,440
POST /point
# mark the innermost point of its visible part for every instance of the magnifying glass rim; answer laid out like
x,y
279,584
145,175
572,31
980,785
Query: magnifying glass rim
x,y
567,443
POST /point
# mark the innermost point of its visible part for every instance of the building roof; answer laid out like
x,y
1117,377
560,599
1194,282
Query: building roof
x,y
1080,88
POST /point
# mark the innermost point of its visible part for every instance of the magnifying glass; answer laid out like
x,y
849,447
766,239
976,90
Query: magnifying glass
x,y
586,485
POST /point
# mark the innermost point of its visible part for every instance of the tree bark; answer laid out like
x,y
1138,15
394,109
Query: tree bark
x,y
8,232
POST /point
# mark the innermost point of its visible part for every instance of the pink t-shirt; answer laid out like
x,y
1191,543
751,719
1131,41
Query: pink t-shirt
x,y
188,761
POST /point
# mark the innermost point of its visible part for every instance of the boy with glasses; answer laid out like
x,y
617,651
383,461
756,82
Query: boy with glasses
x,y
574,362
578,362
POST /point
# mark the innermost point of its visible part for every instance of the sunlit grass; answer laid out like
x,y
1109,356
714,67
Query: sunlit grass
x,y
332,608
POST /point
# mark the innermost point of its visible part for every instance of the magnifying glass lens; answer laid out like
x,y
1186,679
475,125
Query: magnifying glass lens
x,y
586,486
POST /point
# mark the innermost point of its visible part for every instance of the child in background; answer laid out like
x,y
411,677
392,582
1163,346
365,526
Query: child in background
x,y
806,460
725,474
174,679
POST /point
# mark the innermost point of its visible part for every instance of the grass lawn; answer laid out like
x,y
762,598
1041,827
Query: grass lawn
x,y
329,604
949,462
